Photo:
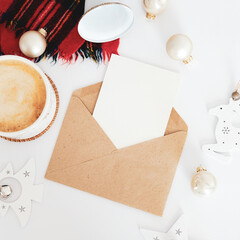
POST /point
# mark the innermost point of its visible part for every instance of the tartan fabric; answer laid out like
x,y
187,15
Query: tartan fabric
x,y
60,19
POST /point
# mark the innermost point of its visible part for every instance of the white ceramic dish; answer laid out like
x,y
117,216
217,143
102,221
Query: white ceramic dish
x,y
49,109
105,22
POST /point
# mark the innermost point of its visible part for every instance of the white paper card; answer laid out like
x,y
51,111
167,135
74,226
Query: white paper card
x,y
177,232
135,101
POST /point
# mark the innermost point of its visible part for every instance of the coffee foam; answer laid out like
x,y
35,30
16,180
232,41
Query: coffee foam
x,y
22,95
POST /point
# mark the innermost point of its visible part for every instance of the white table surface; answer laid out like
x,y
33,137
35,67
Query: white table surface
x,y
70,214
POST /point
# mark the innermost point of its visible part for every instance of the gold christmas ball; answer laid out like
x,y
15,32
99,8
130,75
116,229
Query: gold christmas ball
x,y
154,7
236,96
33,43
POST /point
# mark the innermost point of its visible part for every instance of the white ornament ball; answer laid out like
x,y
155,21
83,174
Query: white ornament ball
x,y
179,47
203,183
154,7
33,43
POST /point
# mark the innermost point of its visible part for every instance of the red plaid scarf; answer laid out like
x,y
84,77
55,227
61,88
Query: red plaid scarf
x,y
60,18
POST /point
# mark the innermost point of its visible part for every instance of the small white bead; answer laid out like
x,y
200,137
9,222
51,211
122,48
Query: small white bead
x,y
5,191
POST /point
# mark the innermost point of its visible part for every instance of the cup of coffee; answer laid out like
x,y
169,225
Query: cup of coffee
x,y
27,99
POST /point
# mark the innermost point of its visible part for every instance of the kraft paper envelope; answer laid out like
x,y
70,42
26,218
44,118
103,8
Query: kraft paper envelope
x,y
139,176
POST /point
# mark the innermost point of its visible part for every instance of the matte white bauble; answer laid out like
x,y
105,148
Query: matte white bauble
x,y
179,47
203,182
154,7
33,43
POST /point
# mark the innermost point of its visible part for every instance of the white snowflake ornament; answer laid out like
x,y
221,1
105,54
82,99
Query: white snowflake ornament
x,y
227,135
177,232
22,191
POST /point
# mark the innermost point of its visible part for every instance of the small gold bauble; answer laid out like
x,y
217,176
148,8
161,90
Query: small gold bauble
x,y
150,16
200,168
236,96
33,43
188,60
5,191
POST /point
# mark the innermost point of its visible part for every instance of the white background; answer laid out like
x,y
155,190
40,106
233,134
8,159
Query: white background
x,y
69,214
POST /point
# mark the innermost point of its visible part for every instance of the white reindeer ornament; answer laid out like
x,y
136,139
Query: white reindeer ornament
x,y
227,135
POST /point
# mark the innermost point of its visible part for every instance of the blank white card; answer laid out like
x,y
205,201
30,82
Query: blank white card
x,y
135,101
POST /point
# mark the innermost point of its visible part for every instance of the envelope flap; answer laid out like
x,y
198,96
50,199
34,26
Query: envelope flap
x,y
80,138
175,123
89,95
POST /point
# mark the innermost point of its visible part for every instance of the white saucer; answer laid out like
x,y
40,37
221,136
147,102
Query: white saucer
x,y
105,22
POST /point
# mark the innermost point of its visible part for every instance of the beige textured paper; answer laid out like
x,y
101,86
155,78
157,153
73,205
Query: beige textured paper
x,y
139,176
135,101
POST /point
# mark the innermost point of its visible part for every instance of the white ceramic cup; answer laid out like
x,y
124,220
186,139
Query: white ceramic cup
x,y
104,20
49,109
